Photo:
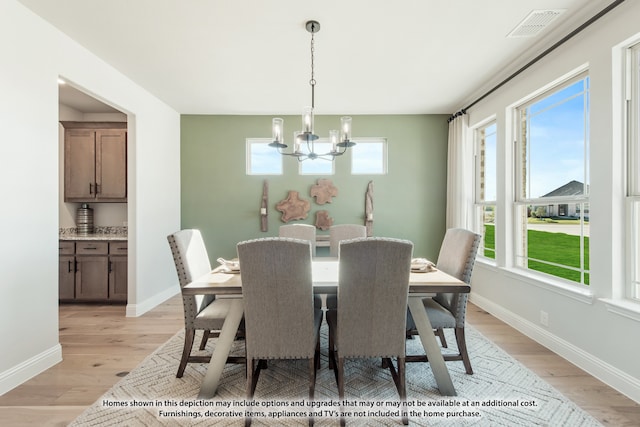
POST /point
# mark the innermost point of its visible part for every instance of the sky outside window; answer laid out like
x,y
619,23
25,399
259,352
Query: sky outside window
x,y
557,140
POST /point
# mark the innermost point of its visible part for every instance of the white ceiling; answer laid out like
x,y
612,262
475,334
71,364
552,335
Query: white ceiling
x,y
253,57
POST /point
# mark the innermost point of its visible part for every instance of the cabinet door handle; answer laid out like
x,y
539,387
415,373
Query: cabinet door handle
x,y
110,270
69,266
90,188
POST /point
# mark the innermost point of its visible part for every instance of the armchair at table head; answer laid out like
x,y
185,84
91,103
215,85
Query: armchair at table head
x,y
340,232
280,320
448,310
370,320
201,312
303,232
300,231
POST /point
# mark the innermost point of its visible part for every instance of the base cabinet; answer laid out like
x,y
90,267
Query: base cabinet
x,y
66,277
96,271
118,269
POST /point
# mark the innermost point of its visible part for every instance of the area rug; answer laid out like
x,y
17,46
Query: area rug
x,y
501,392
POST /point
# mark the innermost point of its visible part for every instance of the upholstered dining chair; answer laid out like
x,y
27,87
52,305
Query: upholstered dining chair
x,y
340,232
300,231
201,312
280,319
448,310
370,321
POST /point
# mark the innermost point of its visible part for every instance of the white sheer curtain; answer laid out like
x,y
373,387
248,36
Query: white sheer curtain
x,y
459,174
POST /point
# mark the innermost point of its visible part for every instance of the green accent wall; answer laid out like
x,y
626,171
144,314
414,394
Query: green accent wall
x,y
221,200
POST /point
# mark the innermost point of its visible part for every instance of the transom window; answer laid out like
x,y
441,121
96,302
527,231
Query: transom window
x,y
262,159
317,166
369,157
552,182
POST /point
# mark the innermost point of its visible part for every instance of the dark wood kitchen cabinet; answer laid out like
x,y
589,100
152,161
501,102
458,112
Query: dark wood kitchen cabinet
x,y
93,271
118,270
95,161
67,271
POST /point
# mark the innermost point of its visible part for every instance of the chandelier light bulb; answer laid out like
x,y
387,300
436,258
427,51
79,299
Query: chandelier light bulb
x,y
277,129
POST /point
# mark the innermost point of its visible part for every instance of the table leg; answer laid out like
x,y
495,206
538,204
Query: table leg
x,y
431,347
222,349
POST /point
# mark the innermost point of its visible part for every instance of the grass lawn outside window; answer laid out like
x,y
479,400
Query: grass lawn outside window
x,y
553,252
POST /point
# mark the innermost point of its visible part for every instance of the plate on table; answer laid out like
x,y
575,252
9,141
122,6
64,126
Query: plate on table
x,y
422,265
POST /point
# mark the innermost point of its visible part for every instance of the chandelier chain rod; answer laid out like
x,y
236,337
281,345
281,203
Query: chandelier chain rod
x,y
312,82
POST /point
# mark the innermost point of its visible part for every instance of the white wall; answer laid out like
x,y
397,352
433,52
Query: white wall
x,y
32,57
581,328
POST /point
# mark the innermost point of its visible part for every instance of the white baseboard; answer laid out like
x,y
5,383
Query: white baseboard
x,y
135,310
610,375
28,369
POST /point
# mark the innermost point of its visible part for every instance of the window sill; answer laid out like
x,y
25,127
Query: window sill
x,y
583,295
623,308
489,263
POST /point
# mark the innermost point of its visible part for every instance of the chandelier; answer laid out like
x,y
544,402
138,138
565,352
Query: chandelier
x,y
304,143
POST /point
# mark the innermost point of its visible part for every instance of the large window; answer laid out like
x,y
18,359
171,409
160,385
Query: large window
x,y
633,171
552,182
485,188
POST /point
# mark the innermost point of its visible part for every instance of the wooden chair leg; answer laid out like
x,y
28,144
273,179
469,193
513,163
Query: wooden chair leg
x,y
312,382
462,347
189,334
403,389
316,356
340,368
252,366
331,349
205,338
440,333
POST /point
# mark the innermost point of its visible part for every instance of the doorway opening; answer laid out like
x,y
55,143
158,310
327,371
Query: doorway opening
x,y
93,205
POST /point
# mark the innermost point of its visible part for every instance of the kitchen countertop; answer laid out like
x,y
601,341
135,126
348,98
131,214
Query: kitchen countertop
x,y
101,233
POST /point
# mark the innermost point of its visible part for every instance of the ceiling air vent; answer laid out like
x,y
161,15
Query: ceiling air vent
x,y
535,22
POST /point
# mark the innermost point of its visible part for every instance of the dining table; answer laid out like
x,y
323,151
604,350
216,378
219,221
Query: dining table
x,y
228,284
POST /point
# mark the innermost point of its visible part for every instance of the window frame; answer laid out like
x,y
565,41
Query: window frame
x,y
632,143
249,143
385,154
523,200
324,161
480,202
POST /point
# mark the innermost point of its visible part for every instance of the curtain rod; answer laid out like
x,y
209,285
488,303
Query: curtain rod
x,y
593,19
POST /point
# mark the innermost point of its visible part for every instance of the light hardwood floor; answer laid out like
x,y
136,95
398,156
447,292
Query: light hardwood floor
x,y
100,345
